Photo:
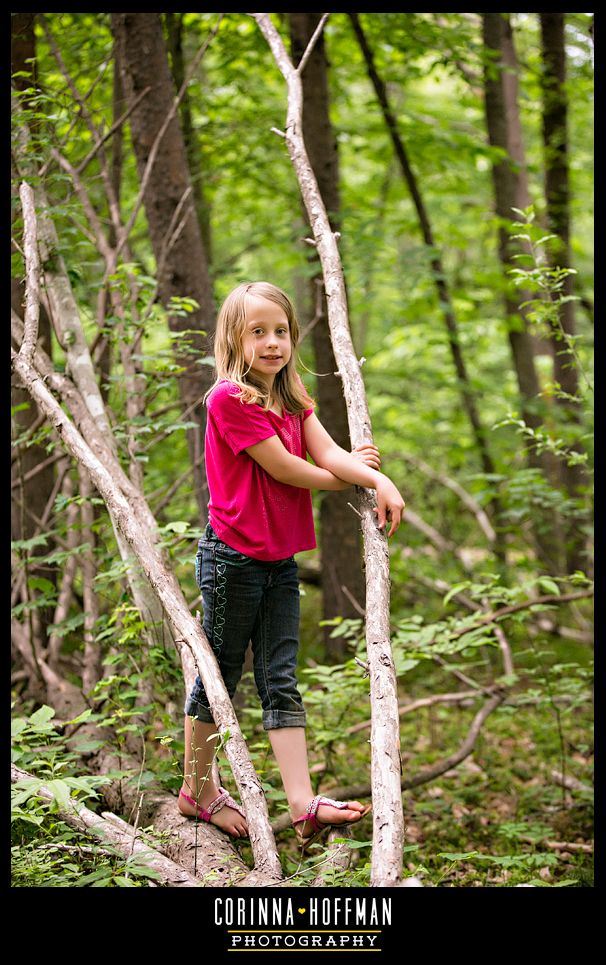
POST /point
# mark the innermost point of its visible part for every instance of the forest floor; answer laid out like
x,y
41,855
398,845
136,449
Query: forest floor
x,y
500,818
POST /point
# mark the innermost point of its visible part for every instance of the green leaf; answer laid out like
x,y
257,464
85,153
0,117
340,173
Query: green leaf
x,y
124,882
40,583
457,856
42,716
454,590
60,792
179,526
18,724
549,585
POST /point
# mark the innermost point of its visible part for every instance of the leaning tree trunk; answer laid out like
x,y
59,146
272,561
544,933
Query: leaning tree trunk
x,y
511,191
557,194
339,527
181,258
388,820
131,518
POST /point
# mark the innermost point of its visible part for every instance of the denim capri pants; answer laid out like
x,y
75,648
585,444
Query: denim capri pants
x,y
250,600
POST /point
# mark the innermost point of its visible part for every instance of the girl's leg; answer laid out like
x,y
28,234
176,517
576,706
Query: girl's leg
x,y
290,750
198,780
275,639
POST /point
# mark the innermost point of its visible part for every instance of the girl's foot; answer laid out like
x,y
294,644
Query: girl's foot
x,y
325,813
224,817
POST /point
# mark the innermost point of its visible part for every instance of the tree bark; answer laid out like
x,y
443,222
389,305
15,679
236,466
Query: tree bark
x,y
388,819
557,195
339,527
181,258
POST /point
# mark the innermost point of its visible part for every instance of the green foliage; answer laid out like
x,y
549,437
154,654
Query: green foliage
x,y
46,851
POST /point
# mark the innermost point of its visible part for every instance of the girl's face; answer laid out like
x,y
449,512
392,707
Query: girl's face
x,y
266,340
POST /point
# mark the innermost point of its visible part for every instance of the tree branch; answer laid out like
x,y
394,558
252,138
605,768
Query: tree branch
x,y
312,43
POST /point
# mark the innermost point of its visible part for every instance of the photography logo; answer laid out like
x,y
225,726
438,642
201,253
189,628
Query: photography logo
x,y
284,924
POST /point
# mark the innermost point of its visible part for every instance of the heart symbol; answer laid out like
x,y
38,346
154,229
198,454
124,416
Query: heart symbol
x,y
301,910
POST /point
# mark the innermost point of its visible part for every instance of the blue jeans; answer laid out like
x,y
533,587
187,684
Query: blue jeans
x,y
250,600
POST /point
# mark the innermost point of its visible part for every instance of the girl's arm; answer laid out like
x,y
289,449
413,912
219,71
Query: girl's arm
x,y
287,468
327,454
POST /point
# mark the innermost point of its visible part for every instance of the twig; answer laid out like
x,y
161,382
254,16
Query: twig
x,y
405,708
569,782
117,124
466,498
347,592
516,607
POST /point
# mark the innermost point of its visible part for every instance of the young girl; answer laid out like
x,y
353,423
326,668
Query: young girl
x,y
261,425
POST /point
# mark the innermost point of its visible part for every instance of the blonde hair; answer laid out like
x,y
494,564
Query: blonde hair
x,y
288,389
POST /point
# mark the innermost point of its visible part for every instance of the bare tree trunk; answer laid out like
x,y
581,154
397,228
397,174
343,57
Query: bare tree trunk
x,y
388,818
557,194
182,263
511,191
339,527
443,294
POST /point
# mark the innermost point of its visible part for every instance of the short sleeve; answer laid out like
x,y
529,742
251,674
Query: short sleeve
x,y
241,424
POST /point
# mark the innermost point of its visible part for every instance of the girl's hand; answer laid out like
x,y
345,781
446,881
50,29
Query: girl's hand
x,y
368,454
390,504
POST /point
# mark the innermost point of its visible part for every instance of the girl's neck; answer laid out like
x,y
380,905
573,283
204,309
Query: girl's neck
x,y
274,405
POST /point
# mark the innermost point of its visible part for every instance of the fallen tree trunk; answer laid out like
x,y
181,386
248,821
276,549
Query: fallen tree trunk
x,y
121,836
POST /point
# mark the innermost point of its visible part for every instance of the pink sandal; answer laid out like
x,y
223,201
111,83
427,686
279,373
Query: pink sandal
x,y
222,799
311,815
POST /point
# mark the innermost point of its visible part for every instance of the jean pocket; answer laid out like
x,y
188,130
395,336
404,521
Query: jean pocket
x,y
229,553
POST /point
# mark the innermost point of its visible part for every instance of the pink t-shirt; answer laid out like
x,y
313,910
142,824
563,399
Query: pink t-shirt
x,y
248,509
